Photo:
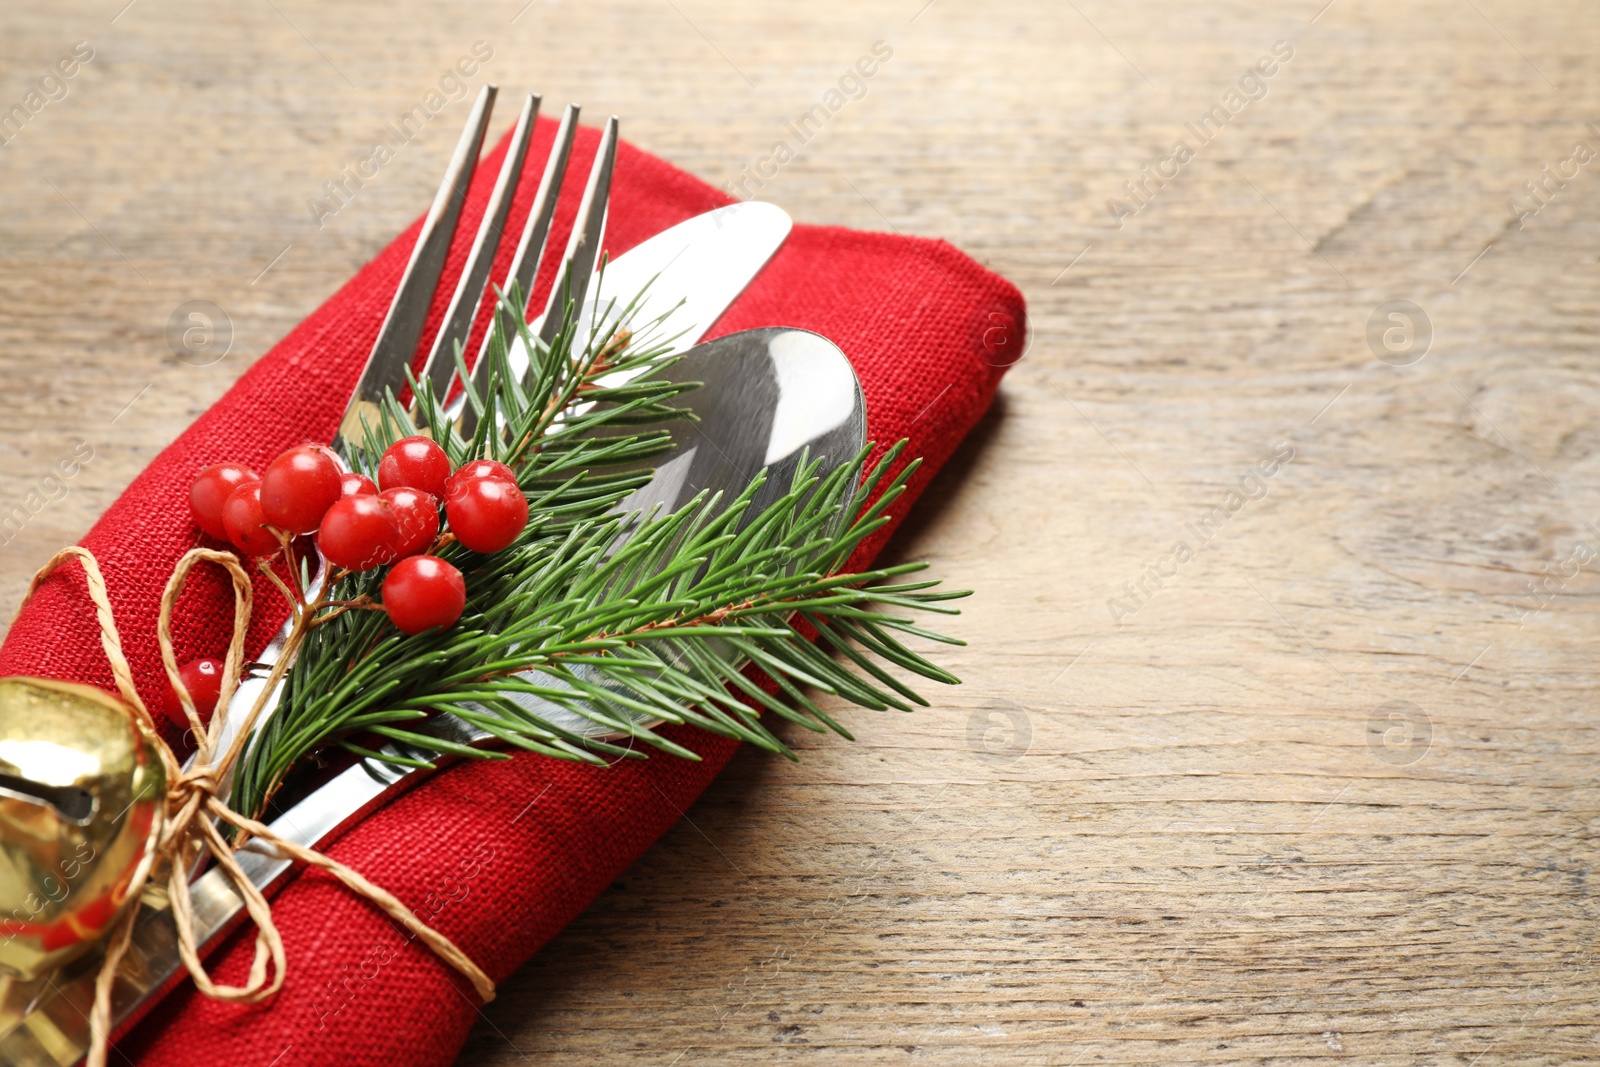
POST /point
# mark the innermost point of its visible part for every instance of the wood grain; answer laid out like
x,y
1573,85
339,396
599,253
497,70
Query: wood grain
x,y
1185,833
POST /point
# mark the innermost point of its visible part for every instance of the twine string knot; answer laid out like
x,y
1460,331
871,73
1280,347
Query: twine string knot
x,y
194,810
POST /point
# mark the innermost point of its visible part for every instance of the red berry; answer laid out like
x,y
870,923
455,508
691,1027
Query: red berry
x,y
299,487
246,525
416,462
416,519
481,468
203,679
486,514
357,484
210,491
358,533
422,592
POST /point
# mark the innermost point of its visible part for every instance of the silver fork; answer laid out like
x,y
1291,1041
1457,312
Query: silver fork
x,y
392,353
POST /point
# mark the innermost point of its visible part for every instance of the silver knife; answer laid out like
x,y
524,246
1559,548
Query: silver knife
x,y
699,267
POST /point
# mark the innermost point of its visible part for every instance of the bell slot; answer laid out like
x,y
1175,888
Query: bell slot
x,y
74,804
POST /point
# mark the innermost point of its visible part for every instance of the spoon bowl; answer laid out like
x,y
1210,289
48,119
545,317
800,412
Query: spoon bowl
x,y
770,398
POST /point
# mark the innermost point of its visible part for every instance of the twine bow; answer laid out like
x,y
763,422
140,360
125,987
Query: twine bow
x,y
193,808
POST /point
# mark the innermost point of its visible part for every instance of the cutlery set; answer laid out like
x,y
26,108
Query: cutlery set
x,y
767,398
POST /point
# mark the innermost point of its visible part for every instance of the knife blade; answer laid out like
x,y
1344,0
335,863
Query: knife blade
x,y
695,270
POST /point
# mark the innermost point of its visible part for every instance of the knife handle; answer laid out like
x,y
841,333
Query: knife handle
x,y
46,1023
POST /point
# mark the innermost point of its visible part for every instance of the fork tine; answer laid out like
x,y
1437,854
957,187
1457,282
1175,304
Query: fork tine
x,y
402,327
588,230
530,250
537,232
458,320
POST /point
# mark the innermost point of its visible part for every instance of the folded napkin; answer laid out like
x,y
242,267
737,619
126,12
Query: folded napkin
x,y
498,856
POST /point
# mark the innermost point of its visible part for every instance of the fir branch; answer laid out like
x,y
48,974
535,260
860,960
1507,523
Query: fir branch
x,y
623,620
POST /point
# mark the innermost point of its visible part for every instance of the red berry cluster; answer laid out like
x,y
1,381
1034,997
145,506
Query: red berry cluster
x,y
359,527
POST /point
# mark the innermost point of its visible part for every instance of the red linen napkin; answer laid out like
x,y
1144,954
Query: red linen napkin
x,y
497,856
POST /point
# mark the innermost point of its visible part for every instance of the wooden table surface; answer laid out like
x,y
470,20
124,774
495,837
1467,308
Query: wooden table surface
x,y
1318,784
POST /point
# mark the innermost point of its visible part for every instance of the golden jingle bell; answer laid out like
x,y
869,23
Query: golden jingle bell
x,y
82,795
